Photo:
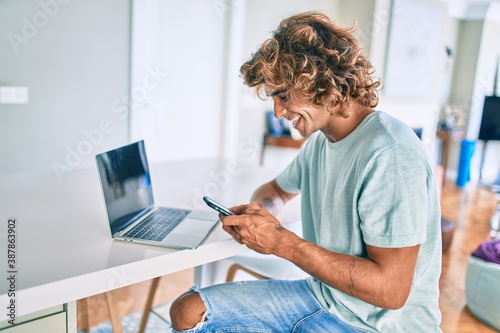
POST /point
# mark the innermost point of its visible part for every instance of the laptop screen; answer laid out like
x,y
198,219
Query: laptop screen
x,y
126,184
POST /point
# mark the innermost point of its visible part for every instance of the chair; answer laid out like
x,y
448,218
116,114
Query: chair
x,y
264,267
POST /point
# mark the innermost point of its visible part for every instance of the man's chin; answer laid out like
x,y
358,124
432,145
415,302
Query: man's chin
x,y
297,134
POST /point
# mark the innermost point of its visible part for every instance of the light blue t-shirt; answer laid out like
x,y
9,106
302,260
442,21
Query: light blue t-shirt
x,y
373,187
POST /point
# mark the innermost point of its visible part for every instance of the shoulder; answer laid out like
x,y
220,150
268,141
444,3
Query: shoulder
x,y
393,130
389,147
316,141
386,135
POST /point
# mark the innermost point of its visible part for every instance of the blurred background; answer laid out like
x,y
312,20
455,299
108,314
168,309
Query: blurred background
x,y
81,77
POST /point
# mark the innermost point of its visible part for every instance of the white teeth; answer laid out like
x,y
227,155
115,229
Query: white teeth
x,y
295,120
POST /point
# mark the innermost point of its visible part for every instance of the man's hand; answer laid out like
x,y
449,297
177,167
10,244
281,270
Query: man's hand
x,y
255,227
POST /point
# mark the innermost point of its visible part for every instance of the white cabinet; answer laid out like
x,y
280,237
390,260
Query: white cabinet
x,y
59,319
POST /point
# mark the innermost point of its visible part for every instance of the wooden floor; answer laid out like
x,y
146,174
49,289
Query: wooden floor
x,y
469,209
93,311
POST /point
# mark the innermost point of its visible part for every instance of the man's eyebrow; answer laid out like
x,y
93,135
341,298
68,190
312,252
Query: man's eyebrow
x,y
277,92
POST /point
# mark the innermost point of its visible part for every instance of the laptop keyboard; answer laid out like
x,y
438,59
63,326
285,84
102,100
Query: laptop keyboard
x,y
157,225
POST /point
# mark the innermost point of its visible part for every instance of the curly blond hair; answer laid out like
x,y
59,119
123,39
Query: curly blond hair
x,y
311,59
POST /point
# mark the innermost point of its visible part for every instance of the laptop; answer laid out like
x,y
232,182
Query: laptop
x,y
131,210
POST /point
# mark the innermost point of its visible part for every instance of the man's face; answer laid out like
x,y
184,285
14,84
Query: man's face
x,y
304,117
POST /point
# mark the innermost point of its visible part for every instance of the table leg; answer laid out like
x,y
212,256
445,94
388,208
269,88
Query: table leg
x,y
114,314
204,275
149,304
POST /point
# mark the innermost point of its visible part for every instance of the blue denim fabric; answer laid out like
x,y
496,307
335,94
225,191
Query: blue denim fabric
x,y
263,307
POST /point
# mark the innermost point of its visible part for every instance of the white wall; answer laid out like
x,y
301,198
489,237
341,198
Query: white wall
x,y
360,14
464,71
466,58
180,116
489,51
421,112
450,39
74,57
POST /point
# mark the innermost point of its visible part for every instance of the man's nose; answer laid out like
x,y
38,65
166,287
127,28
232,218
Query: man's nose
x,y
279,108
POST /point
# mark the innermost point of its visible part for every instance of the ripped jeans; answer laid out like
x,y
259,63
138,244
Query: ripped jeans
x,y
265,306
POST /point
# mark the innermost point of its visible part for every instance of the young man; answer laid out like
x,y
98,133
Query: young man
x,y
370,208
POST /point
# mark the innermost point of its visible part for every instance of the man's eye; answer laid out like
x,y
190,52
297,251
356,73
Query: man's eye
x,y
283,98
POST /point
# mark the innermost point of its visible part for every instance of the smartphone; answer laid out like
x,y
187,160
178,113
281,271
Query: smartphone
x,y
217,206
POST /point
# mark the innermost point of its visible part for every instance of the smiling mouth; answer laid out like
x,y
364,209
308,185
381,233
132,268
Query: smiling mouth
x,y
295,120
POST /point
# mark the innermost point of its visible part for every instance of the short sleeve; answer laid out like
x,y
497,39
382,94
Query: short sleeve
x,y
290,179
393,199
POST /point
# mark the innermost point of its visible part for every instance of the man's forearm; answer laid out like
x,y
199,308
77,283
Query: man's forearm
x,y
380,283
270,197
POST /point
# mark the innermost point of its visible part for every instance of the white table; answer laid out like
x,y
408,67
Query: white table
x,y
64,251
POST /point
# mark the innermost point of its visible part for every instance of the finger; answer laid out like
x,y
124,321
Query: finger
x,y
230,230
256,211
238,238
233,232
232,221
253,206
238,209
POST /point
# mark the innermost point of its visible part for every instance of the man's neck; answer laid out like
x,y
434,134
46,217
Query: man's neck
x,y
342,127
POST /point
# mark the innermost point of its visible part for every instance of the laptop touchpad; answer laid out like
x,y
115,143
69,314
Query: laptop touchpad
x,y
189,232
202,215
